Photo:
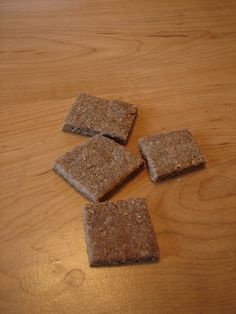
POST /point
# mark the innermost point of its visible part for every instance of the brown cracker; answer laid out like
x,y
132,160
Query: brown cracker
x,y
171,153
119,232
97,167
92,115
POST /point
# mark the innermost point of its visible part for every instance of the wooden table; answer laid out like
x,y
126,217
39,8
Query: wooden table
x,y
177,61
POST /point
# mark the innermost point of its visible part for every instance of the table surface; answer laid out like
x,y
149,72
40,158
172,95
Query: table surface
x,y
177,61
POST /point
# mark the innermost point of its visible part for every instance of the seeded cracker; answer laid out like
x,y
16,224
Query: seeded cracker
x,y
171,153
119,232
98,166
92,115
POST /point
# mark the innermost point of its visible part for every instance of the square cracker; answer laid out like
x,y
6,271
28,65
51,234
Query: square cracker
x,y
92,115
96,167
119,232
170,153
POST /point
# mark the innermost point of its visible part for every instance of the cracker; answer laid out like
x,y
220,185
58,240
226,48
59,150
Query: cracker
x,y
171,153
97,167
119,232
92,115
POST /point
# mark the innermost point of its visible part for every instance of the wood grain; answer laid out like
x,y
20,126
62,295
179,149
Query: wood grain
x,y
177,61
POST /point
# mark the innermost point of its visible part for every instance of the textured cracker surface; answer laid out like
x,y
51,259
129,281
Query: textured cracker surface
x,y
119,232
96,167
91,115
171,153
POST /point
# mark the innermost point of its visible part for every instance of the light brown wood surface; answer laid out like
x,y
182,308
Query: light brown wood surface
x,y
177,61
